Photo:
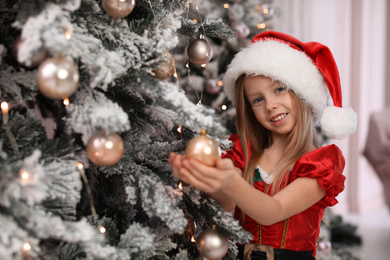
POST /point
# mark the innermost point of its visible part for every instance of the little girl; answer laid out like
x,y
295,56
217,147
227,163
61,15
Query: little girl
x,y
276,178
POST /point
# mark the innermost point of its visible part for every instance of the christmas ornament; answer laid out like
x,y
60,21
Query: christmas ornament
x,y
212,244
242,31
118,8
57,78
204,149
37,57
212,86
105,149
166,69
199,51
190,228
324,246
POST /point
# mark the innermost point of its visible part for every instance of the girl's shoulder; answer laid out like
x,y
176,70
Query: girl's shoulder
x,y
326,164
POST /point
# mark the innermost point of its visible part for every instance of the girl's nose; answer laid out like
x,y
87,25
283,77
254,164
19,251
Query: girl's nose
x,y
271,105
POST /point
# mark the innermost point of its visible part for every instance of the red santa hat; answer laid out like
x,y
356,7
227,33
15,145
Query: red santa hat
x,y
308,69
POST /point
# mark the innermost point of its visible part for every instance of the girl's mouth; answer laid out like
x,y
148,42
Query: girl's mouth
x,y
279,117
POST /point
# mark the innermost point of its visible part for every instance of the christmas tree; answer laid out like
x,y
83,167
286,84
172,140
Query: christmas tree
x,y
88,122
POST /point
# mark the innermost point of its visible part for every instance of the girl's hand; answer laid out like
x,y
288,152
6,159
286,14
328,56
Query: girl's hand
x,y
208,179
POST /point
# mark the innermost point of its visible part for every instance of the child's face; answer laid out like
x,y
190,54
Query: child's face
x,y
271,104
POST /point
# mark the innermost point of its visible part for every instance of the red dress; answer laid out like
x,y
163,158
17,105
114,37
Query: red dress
x,y
299,232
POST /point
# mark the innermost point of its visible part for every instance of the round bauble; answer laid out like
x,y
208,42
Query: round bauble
x,y
118,8
204,149
105,149
57,78
37,57
165,69
212,244
199,51
212,86
242,31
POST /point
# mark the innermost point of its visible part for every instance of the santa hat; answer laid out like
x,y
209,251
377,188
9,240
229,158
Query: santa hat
x,y
308,69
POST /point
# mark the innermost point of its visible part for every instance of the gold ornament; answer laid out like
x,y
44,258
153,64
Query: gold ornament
x,y
212,244
57,78
118,8
199,51
37,57
204,149
105,149
166,69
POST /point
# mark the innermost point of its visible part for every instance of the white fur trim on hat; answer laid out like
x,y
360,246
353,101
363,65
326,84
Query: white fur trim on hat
x,y
280,62
337,122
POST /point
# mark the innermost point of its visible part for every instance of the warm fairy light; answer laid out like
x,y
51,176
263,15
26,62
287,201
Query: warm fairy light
x,y
196,21
175,75
179,129
187,65
197,7
4,107
66,101
68,36
265,11
80,166
258,7
24,175
181,186
220,83
203,65
224,107
193,239
102,229
261,25
26,246
226,5
199,103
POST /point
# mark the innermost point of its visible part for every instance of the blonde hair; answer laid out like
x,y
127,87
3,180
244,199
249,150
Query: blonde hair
x,y
298,142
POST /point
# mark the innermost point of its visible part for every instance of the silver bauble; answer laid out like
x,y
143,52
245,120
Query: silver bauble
x,y
57,78
118,8
199,51
212,244
165,69
105,149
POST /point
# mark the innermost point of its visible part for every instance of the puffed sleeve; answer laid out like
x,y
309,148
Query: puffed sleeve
x,y
236,154
325,164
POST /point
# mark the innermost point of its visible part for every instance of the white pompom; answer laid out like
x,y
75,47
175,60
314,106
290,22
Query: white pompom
x,y
337,122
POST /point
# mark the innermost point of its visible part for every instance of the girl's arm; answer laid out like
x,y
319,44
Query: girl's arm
x,y
176,161
295,198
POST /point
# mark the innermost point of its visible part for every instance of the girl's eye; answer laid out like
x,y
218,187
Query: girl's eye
x,y
280,89
257,100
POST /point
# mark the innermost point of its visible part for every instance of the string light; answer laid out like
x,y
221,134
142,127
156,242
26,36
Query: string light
x,y
24,176
102,229
80,166
224,107
26,246
175,74
68,35
220,83
258,7
181,186
66,101
226,6
4,107
195,20
265,11
179,129
261,26
203,65
199,103
193,239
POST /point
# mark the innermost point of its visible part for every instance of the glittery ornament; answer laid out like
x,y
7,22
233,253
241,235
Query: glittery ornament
x,y
118,8
165,69
204,149
199,51
57,78
190,228
212,86
242,31
37,57
324,246
212,244
105,149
